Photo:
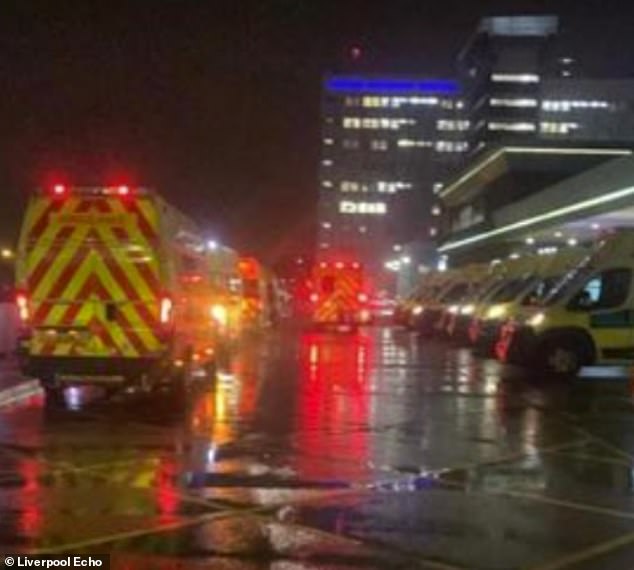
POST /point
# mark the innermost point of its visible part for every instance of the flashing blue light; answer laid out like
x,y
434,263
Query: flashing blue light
x,y
364,85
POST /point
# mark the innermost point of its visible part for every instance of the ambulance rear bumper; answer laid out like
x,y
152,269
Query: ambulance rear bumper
x,y
89,370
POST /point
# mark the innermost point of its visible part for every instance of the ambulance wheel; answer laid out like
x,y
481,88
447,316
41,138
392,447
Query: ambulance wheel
x,y
53,396
561,357
178,386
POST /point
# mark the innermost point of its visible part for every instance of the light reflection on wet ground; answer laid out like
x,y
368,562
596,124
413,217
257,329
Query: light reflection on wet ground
x,y
371,450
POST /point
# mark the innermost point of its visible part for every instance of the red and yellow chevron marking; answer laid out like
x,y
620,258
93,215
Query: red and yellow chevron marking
x,y
342,300
74,267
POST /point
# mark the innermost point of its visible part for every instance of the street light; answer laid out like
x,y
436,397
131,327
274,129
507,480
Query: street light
x,y
6,253
406,259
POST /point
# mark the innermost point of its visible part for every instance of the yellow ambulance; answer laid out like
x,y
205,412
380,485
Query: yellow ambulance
x,y
586,318
113,289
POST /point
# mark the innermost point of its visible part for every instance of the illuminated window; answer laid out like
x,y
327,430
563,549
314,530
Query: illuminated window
x,y
327,162
517,103
451,146
392,187
374,208
350,144
438,186
433,232
351,101
324,245
326,225
379,144
557,128
327,184
435,211
375,123
409,143
363,229
374,102
452,125
329,141
351,123
349,186
515,77
519,127
566,105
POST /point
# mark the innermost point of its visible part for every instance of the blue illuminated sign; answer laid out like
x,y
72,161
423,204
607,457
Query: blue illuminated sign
x,y
381,85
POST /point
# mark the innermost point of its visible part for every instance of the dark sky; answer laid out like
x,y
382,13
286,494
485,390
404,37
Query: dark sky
x,y
216,103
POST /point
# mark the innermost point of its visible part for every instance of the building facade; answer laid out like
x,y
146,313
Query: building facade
x,y
534,122
501,69
387,145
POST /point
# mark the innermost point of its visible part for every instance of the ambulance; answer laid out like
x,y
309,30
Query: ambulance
x,y
260,305
458,318
431,315
227,290
338,296
113,289
531,279
585,319
430,285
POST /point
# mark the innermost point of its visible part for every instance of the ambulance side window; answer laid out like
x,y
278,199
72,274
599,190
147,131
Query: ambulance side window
x,y
607,290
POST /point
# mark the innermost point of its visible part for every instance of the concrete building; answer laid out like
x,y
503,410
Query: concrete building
x,y
387,143
501,68
515,199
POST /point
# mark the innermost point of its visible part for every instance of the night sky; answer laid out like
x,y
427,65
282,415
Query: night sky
x,y
216,103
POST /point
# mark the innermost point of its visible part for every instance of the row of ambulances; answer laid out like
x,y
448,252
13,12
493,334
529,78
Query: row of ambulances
x,y
118,288
557,312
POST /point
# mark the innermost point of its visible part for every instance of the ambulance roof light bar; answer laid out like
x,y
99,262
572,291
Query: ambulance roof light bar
x,y
59,190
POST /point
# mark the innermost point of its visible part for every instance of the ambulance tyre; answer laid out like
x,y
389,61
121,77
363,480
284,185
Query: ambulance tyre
x,y
564,355
53,395
178,386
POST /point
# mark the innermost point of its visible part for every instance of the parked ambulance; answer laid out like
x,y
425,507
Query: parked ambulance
x,y
430,316
113,289
339,298
586,318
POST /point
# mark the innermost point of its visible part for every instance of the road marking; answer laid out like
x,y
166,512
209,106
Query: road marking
x,y
592,458
586,554
568,504
116,537
605,443
363,542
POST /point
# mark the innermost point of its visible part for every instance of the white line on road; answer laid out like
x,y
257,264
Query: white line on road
x,y
586,554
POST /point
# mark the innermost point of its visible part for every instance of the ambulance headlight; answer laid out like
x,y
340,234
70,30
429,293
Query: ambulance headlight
x,y
453,309
418,310
496,312
219,314
536,320
467,309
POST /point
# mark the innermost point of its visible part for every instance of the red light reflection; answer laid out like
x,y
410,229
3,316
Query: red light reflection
x,y
31,516
333,401
167,499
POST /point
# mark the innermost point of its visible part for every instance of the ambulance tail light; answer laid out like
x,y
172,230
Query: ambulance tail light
x,y
219,314
59,191
22,302
314,297
362,297
123,191
167,307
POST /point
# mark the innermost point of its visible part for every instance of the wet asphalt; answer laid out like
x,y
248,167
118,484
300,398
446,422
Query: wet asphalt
x,y
332,451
